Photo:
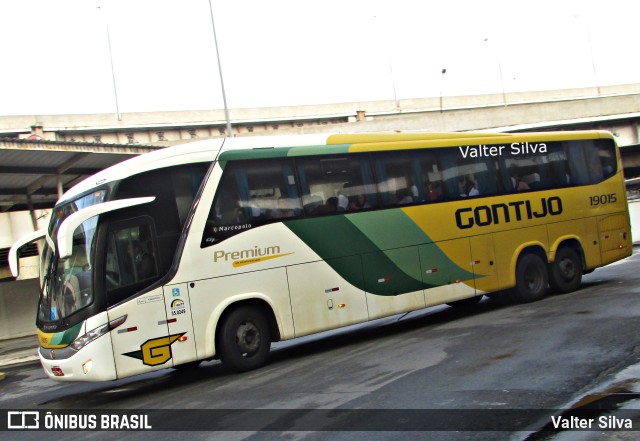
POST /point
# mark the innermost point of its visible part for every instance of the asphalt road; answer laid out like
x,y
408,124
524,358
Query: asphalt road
x,y
496,361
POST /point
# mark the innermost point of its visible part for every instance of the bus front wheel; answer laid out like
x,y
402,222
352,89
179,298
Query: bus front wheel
x,y
565,274
531,278
244,339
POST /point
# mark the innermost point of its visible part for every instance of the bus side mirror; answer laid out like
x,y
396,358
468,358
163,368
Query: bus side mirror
x,y
13,252
69,225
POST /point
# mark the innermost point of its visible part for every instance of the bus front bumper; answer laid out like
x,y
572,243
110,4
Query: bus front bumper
x,y
94,362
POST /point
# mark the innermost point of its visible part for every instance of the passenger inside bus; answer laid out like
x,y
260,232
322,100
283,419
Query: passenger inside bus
x,y
144,261
431,193
404,197
470,188
518,184
358,202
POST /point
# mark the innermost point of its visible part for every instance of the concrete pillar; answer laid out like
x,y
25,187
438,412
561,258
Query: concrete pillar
x,y
32,212
60,188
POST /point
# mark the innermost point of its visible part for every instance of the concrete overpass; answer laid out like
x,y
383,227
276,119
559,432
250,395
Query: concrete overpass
x,y
604,107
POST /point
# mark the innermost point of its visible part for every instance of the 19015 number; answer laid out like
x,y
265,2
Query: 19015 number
x,y
603,199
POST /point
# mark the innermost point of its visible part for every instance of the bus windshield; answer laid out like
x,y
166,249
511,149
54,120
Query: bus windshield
x,y
66,283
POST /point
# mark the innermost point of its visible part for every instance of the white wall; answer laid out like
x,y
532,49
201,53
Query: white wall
x,y
16,224
634,214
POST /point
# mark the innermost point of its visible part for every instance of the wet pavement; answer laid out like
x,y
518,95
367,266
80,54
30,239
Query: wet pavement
x,y
18,350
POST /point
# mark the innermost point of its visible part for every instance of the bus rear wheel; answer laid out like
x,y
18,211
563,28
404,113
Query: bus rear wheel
x,y
565,274
244,339
532,278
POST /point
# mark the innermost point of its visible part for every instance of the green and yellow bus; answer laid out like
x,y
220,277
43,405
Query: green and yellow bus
x,y
216,249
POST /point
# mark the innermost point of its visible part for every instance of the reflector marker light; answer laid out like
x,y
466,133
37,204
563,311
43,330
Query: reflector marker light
x,y
474,262
124,331
328,290
431,271
57,371
384,280
166,322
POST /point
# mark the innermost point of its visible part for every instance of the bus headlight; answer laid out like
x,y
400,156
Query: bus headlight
x,y
90,336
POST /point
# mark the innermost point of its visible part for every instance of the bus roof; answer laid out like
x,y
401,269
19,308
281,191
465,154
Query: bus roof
x,y
344,143
205,150
193,152
295,145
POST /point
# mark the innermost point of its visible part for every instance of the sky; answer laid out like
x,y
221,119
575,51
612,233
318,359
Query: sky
x,y
55,56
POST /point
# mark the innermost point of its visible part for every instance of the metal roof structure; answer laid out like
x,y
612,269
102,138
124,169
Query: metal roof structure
x,y
33,173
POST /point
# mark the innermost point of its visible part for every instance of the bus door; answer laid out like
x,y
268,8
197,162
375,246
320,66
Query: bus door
x,y
447,271
141,342
181,340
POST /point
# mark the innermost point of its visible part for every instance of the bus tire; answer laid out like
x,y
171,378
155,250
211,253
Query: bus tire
x,y
565,274
532,278
244,339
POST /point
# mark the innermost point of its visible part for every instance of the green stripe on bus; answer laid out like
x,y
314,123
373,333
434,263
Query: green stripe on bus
x,y
405,233
283,152
339,149
66,337
335,237
389,262
388,229
258,153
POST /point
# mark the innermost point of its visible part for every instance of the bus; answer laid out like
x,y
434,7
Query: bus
x,y
217,248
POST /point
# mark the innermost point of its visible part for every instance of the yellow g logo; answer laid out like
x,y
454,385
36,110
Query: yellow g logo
x,y
156,351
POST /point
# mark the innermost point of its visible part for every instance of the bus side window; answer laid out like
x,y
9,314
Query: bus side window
x,y
396,178
334,184
430,176
250,194
528,172
131,259
580,170
607,154
466,177
559,174
592,156
601,157
175,189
